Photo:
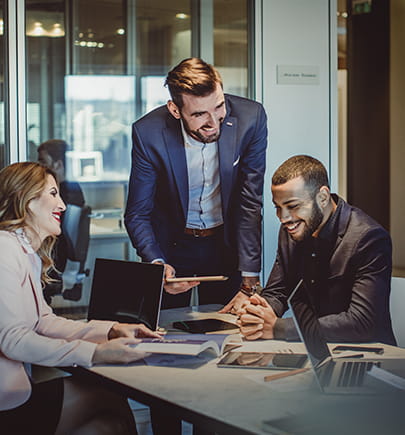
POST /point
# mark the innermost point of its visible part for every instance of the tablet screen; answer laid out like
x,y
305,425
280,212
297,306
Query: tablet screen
x,y
263,360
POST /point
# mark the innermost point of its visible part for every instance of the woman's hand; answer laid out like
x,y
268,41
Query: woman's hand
x,y
117,351
132,330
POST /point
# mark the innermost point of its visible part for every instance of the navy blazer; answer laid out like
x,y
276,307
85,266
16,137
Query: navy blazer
x,y
157,203
355,297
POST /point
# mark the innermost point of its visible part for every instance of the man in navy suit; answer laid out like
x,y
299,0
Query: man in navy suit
x,y
196,186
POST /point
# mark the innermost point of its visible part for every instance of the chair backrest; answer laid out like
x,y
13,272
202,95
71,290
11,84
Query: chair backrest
x,y
76,230
397,309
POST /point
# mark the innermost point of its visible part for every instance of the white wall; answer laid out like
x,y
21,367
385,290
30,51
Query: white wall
x,y
297,33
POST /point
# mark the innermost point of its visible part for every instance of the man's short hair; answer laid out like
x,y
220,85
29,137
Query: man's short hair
x,y
310,169
192,76
56,148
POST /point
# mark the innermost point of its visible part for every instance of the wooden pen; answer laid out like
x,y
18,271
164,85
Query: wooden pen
x,y
285,374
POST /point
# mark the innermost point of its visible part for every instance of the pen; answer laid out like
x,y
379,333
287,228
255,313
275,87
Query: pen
x,y
285,374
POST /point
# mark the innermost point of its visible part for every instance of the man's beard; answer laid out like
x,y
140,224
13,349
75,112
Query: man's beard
x,y
313,223
196,134
205,139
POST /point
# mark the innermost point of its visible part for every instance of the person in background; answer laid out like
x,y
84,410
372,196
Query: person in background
x,y
52,154
30,214
343,256
196,185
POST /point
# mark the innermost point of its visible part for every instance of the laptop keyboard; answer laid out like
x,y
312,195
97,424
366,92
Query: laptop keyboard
x,y
352,373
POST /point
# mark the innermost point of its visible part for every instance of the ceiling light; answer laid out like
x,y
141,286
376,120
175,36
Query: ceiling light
x,y
37,30
56,31
181,16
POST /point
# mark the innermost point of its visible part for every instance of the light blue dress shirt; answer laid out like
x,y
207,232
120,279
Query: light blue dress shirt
x,y
204,206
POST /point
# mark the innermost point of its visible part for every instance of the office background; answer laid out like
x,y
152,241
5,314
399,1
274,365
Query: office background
x,y
329,73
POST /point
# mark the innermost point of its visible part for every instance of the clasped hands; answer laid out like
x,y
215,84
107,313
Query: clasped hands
x,y
256,319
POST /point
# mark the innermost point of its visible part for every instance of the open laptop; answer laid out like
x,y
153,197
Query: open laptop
x,y
126,291
334,375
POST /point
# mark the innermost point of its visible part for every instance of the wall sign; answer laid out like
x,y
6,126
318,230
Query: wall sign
x,y
297,74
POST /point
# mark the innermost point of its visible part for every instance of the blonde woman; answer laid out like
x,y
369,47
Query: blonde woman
x,y
30,213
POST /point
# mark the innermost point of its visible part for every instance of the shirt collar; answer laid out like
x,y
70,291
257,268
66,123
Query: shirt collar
x,y
326,238
24,241
330,230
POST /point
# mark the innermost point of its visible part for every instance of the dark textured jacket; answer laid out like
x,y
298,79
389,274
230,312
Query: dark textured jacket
x,y
356,290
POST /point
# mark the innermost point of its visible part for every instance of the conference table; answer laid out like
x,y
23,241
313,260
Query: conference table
x,y
239,400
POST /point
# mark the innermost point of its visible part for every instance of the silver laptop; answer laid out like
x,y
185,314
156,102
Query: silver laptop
x,y
334,374
126,291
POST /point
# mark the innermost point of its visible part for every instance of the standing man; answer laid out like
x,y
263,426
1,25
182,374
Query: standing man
x,y
196,186
342,254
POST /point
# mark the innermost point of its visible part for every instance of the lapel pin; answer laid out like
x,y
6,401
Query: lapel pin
x,y
229,123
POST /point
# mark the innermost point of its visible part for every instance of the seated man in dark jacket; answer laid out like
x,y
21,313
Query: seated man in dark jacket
x,y
342,254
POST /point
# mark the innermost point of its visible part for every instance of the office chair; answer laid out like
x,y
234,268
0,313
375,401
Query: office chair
x,y
76,231
71,253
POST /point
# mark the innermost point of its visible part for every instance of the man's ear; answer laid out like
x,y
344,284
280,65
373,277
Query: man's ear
x,y
58,166
323,197
173,109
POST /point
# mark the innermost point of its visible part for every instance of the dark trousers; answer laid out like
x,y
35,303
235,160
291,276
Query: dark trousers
x,y
193,256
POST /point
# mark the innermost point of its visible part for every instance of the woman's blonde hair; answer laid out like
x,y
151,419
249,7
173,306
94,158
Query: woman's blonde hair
x,y
20,183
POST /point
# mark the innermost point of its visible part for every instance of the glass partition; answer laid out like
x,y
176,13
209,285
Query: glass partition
x,y
230,44
94,67
3,159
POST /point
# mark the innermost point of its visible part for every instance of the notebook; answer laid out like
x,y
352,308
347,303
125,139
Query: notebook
x,y
126,291
334,375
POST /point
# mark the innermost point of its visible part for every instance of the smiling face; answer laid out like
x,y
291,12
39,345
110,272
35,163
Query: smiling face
x,y
300,212
202,116
46,211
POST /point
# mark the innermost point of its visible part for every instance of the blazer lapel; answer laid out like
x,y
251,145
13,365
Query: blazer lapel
x,y
337,260
228,159
344,218
177,157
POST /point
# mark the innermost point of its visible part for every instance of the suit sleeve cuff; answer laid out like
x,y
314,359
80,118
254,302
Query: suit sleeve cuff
x,y
158,260
250,274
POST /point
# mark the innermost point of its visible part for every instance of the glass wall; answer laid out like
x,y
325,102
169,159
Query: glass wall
x,y
231,27
95,66
3,159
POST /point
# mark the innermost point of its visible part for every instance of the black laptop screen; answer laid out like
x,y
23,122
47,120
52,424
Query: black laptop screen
x,y
307,325
126,291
